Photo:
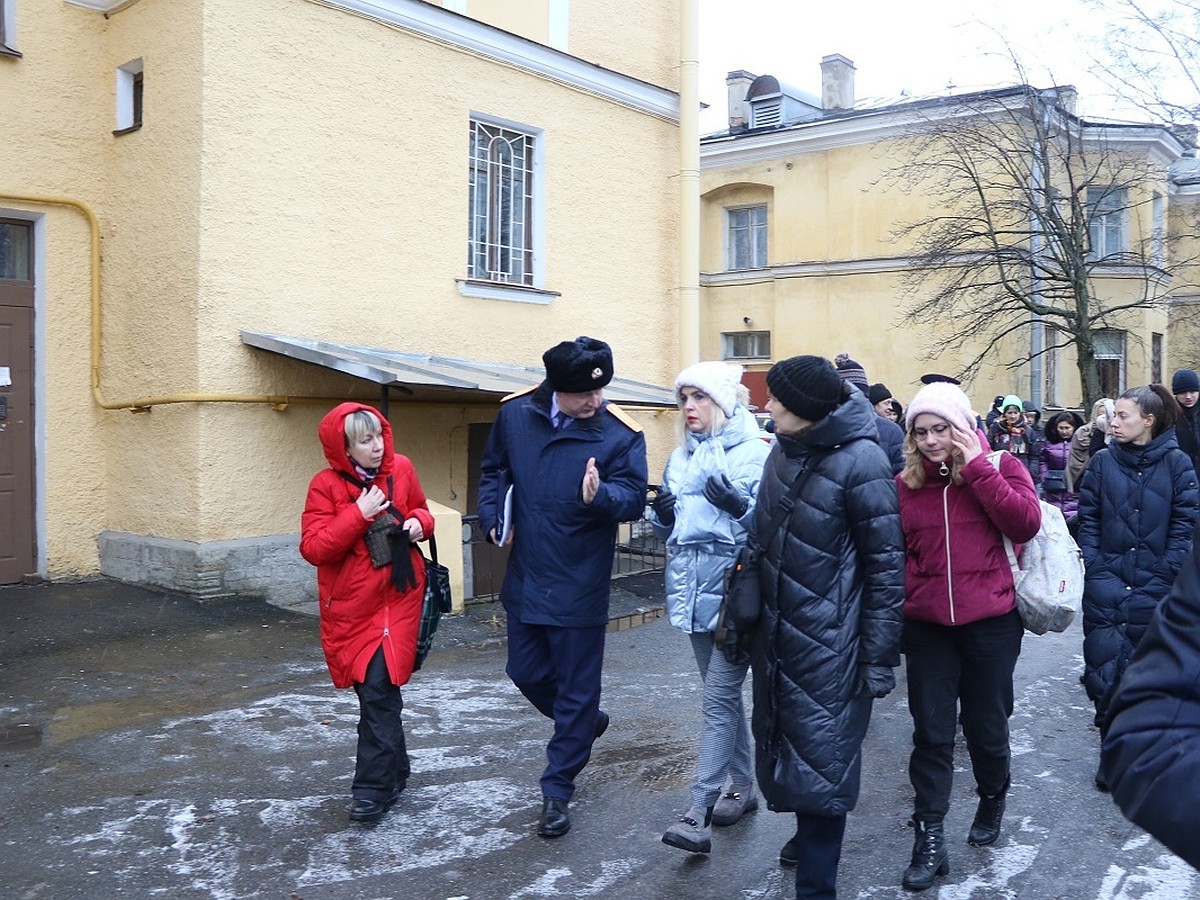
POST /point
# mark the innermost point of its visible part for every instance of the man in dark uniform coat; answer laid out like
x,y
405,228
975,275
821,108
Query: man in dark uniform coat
x,y
577,468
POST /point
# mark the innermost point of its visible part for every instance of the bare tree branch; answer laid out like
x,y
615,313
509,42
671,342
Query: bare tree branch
x,y
1036,216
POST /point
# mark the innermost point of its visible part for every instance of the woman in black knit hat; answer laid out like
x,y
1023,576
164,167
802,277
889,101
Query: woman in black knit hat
x,y
832,589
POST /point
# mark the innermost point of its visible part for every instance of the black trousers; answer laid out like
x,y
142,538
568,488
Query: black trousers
x,y
819,842
951,664
382,767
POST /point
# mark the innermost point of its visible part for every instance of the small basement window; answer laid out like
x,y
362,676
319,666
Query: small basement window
x,y
129,97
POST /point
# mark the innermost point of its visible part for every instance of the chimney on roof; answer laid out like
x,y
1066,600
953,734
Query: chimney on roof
x,y
737,83
837,82
1068,98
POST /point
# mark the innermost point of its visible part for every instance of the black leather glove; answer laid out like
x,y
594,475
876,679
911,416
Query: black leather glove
x,y
664,507
732,643
878,681
720,492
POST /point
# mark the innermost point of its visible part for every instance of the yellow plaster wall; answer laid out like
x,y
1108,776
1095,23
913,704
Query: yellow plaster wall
x,y
60,98
347,221
296,211
529,18
296,174
638,37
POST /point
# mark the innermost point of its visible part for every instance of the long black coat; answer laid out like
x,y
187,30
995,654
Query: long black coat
x,y
1151,754
833,593
1137,509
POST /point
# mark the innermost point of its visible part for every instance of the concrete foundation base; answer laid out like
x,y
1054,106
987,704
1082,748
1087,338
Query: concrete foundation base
x,y
269,566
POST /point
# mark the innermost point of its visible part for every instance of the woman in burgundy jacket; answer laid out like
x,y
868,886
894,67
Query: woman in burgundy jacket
x,y
369,616
962,632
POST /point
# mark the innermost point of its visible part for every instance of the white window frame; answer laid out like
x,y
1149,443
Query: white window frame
x,y
8,28
757,231
127,78
745,345
526,282
1108,222
1115,339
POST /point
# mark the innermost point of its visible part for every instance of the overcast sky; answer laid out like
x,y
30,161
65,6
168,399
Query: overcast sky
x,y
919,46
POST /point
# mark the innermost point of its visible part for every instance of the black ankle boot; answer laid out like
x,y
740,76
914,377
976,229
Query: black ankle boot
x,y
929,857
986,827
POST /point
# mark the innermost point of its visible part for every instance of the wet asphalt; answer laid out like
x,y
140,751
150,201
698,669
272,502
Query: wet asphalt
x,y
152,746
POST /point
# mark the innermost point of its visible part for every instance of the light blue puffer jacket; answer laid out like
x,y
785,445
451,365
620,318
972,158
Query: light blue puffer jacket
x,y
704,540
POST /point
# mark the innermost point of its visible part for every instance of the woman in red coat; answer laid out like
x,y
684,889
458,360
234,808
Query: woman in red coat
x,y
369,616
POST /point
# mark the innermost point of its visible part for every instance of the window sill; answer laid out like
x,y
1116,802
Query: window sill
x,y
6,50
495,290
131,128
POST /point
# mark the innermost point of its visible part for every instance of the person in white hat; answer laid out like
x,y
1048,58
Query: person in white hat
x,y
704,508
962,632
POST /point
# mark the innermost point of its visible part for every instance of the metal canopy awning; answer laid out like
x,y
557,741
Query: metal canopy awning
x,y
414,373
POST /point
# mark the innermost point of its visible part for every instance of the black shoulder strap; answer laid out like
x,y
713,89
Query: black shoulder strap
x,y
396,514
785,505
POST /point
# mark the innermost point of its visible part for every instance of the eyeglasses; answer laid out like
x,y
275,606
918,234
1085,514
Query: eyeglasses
x,y
937,431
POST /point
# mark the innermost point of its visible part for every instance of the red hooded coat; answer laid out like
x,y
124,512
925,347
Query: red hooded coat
x,y
360,609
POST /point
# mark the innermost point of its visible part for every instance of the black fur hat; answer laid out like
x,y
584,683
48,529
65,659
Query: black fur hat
x,y
578,366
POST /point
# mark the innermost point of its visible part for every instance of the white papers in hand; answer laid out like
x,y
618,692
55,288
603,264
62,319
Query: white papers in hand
x,y
506,519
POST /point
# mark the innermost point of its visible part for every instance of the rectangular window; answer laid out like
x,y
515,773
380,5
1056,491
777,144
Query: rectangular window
x,y
1109,347
1109,211
500,237
129,97
14,250
1156,348
8,28
746,240
746,345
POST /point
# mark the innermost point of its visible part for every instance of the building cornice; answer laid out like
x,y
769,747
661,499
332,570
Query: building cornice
x,y
806,270
489,42
890,123
102,6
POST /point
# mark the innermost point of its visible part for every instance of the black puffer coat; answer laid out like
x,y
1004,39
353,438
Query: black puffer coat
x,y
1137,509
1151,752
833,593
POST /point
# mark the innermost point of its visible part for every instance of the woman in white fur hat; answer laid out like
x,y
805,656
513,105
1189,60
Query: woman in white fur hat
x,y
703,509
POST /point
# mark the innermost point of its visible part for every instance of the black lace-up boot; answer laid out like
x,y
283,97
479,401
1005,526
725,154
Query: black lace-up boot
x,y
986,827
929,857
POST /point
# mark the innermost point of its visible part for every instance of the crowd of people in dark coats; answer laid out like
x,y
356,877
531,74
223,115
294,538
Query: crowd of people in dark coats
x,y
878,532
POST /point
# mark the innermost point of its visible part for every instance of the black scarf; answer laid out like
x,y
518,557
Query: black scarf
x,y
403,577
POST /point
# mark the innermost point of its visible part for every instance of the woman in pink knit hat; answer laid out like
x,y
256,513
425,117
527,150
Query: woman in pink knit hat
x,y
962,632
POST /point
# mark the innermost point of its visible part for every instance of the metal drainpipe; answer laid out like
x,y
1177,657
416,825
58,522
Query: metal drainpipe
x,y
145,403
689,183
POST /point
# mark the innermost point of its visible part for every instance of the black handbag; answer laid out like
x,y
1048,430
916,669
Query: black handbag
x,y
436,603
742,604
1054,481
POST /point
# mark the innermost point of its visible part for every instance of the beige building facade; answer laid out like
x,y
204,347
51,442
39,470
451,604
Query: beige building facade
x,y
801,250
208,208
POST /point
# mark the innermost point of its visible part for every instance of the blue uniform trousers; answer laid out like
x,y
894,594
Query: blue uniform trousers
x,y
558,670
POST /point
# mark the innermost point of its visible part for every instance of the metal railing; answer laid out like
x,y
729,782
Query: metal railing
x,y
639,550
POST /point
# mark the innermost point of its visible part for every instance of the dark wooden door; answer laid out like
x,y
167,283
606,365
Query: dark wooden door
x,y
18,535
488,562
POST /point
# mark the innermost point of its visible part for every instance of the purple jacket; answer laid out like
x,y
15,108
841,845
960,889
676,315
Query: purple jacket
x,y
1055,458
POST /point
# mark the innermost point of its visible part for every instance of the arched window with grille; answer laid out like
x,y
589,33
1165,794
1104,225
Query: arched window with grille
x,y
501,226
